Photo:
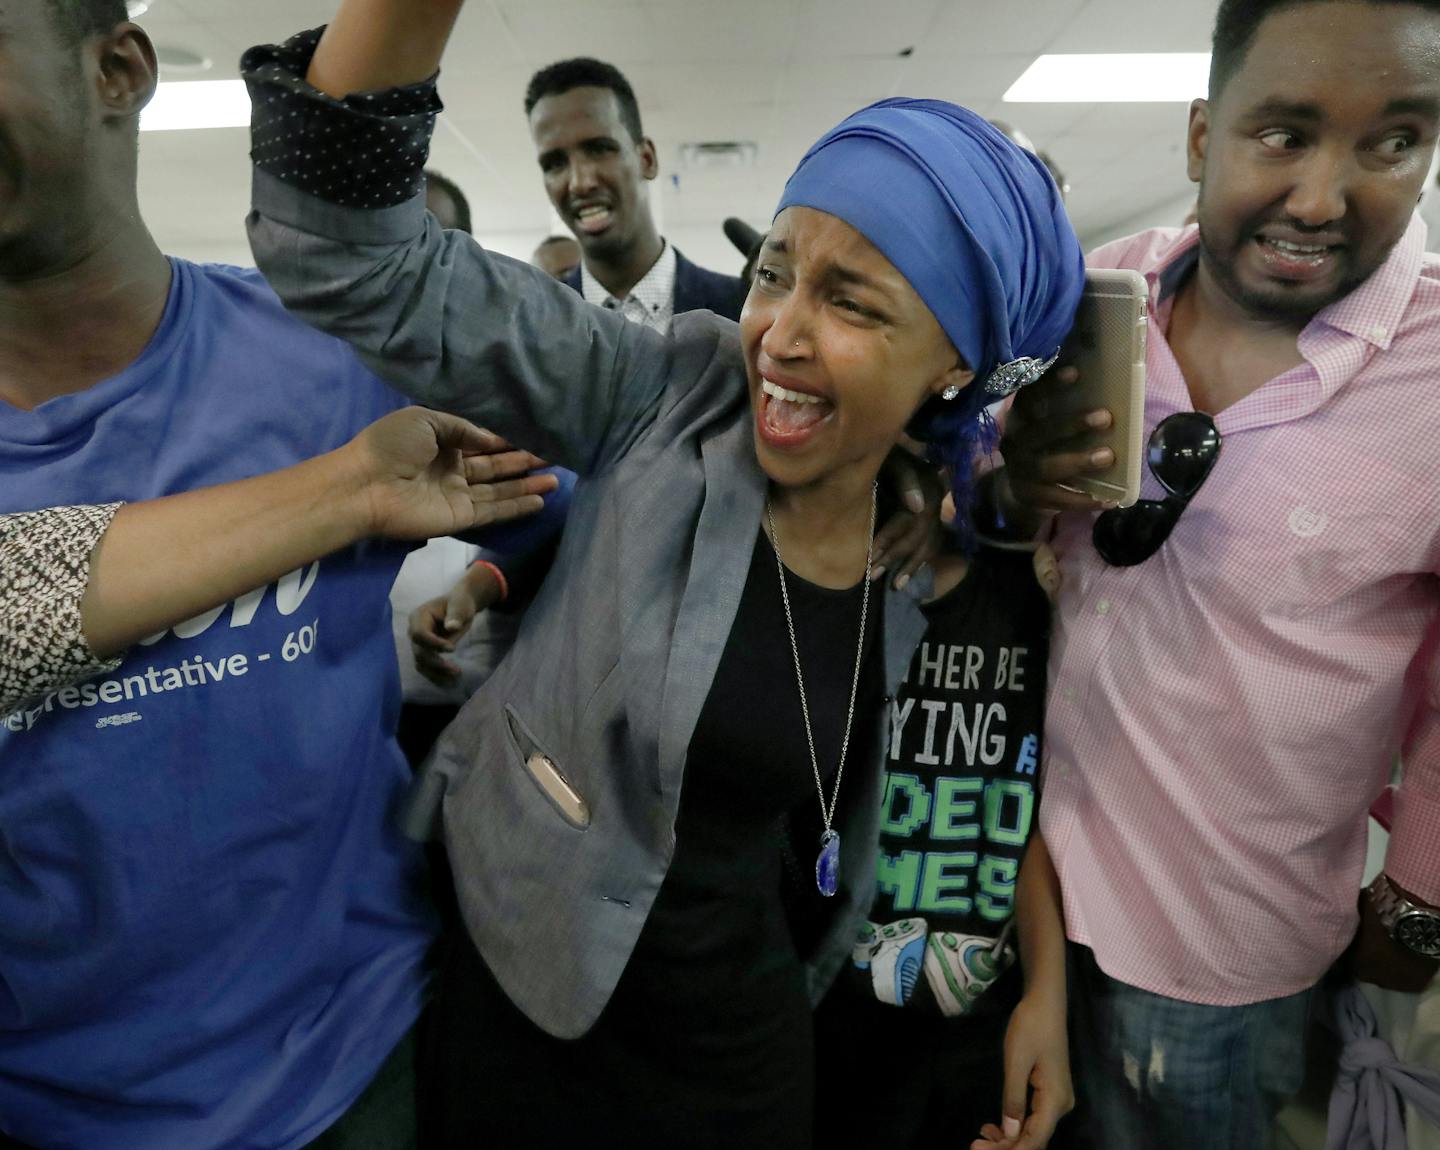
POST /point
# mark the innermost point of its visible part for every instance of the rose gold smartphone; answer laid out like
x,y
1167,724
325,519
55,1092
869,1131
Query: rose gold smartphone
x,y
547,774
1107,344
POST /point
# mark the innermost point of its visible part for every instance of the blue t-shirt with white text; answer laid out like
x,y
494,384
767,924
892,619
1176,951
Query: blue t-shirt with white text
x,y
211,935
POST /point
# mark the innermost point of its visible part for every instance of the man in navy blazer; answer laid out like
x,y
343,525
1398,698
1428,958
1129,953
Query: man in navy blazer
x,y
596,160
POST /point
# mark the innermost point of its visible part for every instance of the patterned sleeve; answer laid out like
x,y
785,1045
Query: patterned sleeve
x,y
365,151
44,569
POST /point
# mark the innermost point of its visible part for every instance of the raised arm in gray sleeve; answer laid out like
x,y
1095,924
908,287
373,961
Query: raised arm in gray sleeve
x,y
445,321
459,329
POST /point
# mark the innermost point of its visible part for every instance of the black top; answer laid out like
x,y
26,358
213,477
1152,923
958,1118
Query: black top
x,y
706,1041
962,787
749,778
715,980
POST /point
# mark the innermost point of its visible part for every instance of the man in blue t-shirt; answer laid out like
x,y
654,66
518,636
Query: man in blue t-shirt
x,y
210,934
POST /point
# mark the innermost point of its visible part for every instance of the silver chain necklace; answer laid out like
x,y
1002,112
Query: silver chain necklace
x,y
827,863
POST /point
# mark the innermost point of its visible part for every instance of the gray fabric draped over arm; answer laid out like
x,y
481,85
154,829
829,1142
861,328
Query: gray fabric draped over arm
x,y
459,329
340,230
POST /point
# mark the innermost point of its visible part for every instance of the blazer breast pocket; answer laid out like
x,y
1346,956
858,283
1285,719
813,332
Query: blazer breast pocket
x,y
546,773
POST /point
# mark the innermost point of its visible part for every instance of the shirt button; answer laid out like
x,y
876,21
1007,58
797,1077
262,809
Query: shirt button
x,y
1068,694
1378,332
1102,607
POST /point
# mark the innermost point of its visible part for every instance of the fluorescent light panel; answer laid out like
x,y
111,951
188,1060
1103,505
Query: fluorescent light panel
x,y
196,104
1114,78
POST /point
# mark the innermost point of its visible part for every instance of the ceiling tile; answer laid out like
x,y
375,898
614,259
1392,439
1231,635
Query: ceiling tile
x,y
1153,26
778,72
546,32
965,79
865,28
971,27
852,82
737,30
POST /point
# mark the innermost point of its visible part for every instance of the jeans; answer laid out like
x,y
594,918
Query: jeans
x,y
1155,1073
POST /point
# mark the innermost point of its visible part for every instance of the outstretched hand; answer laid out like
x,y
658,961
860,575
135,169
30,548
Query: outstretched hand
x,y
423,473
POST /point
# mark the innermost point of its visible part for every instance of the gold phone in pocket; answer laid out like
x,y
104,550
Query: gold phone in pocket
x,y
558,790
548,776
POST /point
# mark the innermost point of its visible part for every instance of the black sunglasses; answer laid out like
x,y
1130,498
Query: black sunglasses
x,y
1182,450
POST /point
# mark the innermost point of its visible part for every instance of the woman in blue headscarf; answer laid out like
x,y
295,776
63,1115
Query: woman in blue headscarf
x,y
688,733
911,1044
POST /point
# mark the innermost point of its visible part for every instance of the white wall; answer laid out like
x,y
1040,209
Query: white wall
x,y
1169,212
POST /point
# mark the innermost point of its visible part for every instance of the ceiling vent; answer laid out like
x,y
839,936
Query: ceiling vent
x,y
718,154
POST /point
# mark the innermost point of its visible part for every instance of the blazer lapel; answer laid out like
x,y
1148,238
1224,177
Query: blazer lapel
x,y
724,539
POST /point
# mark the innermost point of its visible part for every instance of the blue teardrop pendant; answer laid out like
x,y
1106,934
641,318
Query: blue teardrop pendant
x,y
827,865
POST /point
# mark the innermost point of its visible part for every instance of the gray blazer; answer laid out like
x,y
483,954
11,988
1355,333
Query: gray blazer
x,y
617,654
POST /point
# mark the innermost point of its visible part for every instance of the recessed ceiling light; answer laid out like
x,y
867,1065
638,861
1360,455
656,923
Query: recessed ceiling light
x,y
196,104
1114,78
180,59
176,59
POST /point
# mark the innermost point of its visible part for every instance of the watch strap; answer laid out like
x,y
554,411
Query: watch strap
x,y
1414,926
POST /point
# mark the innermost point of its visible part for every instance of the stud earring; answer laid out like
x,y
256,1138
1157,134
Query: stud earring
x,y
950,392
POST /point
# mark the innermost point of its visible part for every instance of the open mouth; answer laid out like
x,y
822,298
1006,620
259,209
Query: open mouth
x,y
789,418
593,219
1294,259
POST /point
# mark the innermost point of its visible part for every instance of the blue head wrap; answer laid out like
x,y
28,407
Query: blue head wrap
x,y
975,224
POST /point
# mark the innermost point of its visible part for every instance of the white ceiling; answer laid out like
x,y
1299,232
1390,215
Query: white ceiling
x,y
775,72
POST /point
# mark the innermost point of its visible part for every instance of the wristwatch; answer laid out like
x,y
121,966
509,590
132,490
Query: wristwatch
x,y
1411,925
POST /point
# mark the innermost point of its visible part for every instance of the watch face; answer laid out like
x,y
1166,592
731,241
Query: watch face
x,y
1420,931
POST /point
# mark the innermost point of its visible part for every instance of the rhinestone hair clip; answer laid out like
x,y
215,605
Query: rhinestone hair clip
x,y
1017,373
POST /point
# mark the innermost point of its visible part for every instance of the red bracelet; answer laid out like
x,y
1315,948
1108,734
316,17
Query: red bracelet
x,y
499,577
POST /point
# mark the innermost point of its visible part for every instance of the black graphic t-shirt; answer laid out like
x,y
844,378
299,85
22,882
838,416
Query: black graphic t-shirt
x,y
962,787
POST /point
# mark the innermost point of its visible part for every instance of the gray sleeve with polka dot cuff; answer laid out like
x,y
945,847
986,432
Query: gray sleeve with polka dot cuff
x,y
368,150
339,229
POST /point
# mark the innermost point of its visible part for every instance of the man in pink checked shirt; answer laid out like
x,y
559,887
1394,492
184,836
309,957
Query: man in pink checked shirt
x,y
1238,660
